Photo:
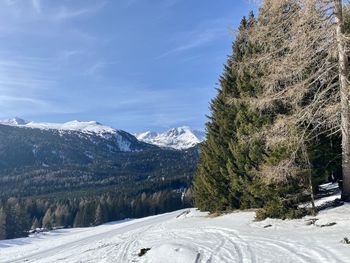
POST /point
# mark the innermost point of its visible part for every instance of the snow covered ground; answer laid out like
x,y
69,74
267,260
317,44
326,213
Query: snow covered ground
x,y
191,236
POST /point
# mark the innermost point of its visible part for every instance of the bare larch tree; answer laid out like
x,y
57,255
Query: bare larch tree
x,y
303,52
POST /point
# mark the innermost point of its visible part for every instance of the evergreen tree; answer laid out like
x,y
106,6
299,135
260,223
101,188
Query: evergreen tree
x,y
48,219
62,215
35,223
212,179
237,164
18,221
3,233
228,158
101,214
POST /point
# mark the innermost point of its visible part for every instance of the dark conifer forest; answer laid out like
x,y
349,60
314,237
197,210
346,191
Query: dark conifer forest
x,y
50,180
273,135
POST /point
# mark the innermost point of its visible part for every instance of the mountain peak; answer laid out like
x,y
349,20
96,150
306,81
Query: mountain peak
x,y
14,121
179,138
146,135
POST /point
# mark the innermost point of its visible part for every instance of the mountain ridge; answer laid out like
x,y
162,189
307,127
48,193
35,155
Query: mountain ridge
x,y
75,125
180,138
31,159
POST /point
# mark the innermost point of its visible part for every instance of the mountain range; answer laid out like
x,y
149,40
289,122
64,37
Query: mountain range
x,y
46,158
180,138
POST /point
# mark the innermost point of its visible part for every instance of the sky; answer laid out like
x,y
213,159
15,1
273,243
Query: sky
x,y
135,65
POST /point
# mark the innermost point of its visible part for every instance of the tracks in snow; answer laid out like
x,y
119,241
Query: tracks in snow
x,y
215,244
209,241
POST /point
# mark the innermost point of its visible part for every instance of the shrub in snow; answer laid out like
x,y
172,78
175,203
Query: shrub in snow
x,y
143,251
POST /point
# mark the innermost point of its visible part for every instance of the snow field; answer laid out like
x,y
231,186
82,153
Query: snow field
x,y
191,236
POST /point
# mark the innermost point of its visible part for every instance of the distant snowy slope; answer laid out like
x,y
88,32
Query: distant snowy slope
x,y
14,122
192,236
146,136
178,138
91,130
87,127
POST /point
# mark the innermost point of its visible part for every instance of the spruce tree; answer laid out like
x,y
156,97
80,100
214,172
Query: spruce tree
x,y
101,214
48,220
227,156
3,233
212,179
35,224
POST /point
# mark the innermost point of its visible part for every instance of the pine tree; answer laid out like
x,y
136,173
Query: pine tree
x,y
48,219
18,221
228,158
237,161
101,214
98,216
211,180
35,223
3,233
62,215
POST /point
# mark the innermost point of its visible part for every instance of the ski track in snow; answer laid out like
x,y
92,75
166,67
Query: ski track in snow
x,y
190,236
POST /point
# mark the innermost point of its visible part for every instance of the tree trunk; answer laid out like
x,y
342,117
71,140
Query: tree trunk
x,y
344,94
309,180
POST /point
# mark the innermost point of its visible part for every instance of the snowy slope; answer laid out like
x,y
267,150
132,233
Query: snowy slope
x,y
178,138
88,128
191,236
80,126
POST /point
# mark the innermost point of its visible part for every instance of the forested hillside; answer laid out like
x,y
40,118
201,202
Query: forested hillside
x,y
276,129
51,178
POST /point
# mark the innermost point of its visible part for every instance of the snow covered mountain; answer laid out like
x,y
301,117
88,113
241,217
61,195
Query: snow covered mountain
x,y
84,154
90,127
75,142
14,122
178,138
117,139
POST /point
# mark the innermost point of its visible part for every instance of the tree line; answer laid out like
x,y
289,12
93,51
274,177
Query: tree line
x,y
279,123
19,217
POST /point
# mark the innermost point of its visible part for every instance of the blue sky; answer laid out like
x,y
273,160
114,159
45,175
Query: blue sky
x,y
133,64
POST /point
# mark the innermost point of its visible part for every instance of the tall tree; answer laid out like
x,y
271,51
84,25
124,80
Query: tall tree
x,y
101,214
228,157
48,219
303,52
3,233
344,96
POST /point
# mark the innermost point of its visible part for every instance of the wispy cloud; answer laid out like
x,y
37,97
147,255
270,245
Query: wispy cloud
x,y
37,6
204,34
67,54
4,99
199,38
24,74
24,81
37,10
162,3
66,13
35,76
96,67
